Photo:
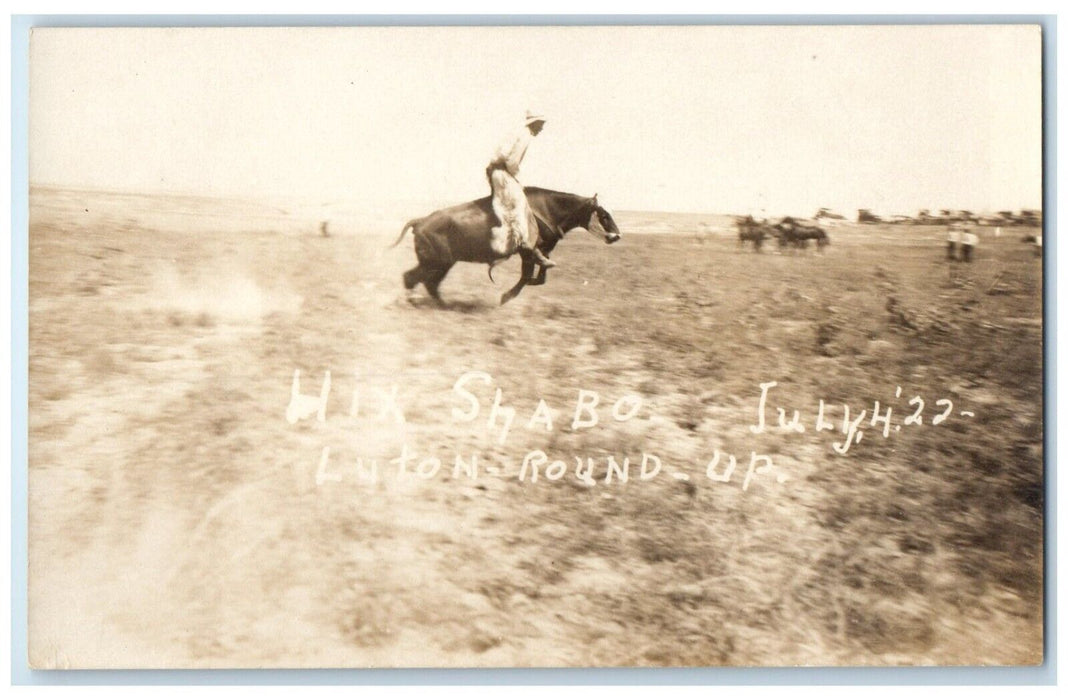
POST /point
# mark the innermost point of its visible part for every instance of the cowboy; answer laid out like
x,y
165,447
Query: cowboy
x,y
968,242
519,228
952,241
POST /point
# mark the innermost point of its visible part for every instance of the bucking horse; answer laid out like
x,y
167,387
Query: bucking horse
x,y
462,234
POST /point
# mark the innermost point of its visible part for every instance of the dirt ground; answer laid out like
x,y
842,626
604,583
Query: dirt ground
x,y
179,519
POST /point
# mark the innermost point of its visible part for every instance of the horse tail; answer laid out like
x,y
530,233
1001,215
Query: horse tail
x,y
404,230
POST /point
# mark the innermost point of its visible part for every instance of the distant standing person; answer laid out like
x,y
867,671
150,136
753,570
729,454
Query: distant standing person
x,y
968,243
509,202
952,241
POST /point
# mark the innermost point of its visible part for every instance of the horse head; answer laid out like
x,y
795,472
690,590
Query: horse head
x,y
600,221
563,211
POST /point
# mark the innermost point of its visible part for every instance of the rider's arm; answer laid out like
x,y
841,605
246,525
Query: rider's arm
x,y
510,153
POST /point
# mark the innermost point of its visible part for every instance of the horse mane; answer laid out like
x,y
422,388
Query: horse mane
x,y
554,194
546,190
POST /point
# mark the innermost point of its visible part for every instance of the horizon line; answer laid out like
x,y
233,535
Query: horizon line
x,y
433,201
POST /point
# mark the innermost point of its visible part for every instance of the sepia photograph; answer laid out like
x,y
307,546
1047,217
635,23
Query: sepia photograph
x,y
536,346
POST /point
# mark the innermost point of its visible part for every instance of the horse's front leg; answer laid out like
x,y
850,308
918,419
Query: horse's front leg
x,y
524,278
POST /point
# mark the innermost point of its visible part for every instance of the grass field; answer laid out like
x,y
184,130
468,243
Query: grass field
x,y
176,517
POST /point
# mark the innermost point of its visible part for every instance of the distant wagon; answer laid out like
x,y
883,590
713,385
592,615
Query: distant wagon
x,y
865,216
826,217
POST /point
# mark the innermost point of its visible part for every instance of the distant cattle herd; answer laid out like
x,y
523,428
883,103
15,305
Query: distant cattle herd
x,y
789,232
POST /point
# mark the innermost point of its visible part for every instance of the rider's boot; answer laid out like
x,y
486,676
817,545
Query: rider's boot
x,y
541,258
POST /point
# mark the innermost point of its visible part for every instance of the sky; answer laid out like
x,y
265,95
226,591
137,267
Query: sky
x,y
762,120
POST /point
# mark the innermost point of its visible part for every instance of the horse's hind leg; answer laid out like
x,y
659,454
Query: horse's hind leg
x,y
432,280
413,277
